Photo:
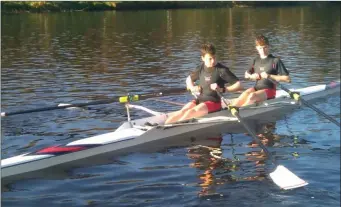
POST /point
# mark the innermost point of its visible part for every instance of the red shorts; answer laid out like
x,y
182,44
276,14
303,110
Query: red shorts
x,y
270,93
211,106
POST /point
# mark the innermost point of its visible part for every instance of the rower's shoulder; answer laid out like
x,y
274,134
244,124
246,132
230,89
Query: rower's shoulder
x,y
274,58
200,67
221,66
255,59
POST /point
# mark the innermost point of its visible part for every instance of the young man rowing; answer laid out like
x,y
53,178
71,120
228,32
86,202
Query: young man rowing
x,y
212,76
263,67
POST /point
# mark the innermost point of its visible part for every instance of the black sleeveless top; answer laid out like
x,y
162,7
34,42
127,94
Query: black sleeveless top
x,y
271,65
219,74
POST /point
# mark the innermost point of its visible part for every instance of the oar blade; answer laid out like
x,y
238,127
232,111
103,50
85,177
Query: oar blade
x,y
65,104
285,179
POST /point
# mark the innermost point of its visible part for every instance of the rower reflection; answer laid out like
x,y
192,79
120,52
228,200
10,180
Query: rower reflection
x,y
219,165
207,160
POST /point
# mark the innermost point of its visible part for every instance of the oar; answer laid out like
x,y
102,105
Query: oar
x,y
296,96
282,177
166,101
122,99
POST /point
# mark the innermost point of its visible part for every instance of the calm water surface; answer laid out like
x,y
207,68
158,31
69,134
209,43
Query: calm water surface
x,y
54,58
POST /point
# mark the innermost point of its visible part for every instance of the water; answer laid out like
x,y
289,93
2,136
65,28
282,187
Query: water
x,y
54,58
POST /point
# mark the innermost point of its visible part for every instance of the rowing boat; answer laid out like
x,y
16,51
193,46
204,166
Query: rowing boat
x,y
135,132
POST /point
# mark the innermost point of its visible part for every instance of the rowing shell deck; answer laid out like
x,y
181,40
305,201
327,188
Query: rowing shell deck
x,y
135,132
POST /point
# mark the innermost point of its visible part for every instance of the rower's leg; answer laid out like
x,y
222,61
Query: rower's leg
x,y
198,111
229,102
254,97
242,98
173,117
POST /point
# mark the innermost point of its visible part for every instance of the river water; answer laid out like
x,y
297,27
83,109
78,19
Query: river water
x,y
53,58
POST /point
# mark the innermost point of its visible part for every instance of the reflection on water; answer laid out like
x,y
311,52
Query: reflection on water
x,y
81,56
218,168
69,57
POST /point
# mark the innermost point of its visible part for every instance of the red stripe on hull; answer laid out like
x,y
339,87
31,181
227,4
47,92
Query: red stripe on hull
x,y
57,149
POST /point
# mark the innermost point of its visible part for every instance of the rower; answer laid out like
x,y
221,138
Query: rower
x,y
211,76
263,67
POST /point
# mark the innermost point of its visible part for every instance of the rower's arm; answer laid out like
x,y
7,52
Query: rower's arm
x,y
237,86
280,78
189,83
283,73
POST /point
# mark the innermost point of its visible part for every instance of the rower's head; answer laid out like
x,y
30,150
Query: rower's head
x,y
208,55
262,45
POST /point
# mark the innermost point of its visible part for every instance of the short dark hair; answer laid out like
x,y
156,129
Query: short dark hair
x,y
261,40
207,49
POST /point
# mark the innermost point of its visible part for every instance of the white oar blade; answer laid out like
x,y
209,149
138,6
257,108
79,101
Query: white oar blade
x,y
285,179
65,104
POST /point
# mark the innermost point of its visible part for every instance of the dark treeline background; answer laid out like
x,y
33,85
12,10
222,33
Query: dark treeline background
x,y
58,6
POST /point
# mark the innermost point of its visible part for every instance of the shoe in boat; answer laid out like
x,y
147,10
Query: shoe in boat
x,y
150,124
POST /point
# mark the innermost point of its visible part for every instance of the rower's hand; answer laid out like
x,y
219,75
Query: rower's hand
x,y
247,75
264,75
255,76
196,90
215,87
